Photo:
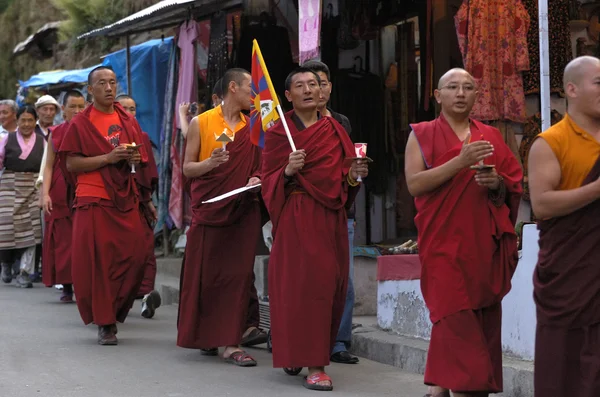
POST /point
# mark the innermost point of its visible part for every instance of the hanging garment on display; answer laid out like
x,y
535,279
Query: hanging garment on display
x,y
275,46
218,55
346,40
329,32
507,130
186,89
492,35
309,29
560,48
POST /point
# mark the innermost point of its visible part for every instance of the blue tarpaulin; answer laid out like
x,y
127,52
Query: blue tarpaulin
x,y
58,77
149,68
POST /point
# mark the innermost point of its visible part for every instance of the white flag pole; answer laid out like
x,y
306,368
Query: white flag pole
x,y
546,105
287,129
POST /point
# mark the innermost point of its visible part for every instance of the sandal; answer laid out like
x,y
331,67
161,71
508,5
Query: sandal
x,y
210,352
255,337
241,359
311,382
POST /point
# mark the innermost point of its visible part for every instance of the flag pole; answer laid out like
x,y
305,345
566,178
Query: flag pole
x,y
285,126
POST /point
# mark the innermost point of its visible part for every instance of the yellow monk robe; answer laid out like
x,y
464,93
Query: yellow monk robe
x,y
567,276
575,149
218,267
212,125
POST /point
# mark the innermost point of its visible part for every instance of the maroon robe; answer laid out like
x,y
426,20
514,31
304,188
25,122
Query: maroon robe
x,y
468,252
218,266
107,257
566,287
59,224
308,267
147,182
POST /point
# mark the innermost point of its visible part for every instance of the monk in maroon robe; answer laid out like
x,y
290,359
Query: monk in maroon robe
x,y
56,203
467,241
146,181
108,252
307,193
218,266
564,172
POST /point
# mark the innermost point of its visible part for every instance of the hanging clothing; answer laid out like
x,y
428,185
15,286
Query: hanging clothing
x,y
186,90
560,50
309,28
492,35
165,166
329,30
218,54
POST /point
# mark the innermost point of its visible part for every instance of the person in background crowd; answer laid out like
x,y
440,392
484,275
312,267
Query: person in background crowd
x,y
217,271
107,262
564,178
147,182
47,108
20,226
8,117
184,108
56,205
467,239
307,194
339,354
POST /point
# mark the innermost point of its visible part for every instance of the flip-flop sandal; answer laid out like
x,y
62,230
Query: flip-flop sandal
x,y
256,337
210,352
241,359
311,382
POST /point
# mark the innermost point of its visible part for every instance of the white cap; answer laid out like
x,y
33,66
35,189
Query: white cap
x,y
46,100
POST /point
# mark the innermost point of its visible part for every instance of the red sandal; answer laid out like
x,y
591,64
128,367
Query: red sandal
x,y
241,359
311,382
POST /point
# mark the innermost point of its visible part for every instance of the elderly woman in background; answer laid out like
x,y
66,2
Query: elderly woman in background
x,y
20,225
8,117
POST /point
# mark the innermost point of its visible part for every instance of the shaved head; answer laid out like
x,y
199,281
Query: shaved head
x,y
454,73
578,68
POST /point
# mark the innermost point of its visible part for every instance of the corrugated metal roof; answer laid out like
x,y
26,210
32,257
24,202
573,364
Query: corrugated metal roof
x,y
24,45
161,15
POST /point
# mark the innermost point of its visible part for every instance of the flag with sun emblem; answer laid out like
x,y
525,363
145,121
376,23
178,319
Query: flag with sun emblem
x,y
264,102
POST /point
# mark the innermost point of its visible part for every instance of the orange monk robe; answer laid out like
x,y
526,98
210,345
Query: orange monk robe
x,y
567,277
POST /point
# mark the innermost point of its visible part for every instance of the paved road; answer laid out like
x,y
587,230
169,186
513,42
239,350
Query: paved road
x,y
46,351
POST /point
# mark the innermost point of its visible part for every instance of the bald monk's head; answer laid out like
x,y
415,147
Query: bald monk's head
x,y
237,87
456,93
582,85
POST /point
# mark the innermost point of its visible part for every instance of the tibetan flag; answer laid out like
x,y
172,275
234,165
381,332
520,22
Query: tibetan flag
x,y
264,109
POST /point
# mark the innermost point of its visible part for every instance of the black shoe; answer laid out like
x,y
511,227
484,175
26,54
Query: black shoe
x,y
150,303
344,358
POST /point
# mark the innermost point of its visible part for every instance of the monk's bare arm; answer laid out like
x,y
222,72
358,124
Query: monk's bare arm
x,y
192,168
48,169
419,179
544,179
86,164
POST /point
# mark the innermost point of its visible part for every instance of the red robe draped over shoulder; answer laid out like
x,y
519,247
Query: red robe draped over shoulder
x,y
468,252
218,265
59,224
147,182
308,267
566,292
108,249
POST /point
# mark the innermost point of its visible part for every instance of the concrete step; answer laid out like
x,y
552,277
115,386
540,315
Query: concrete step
x,y
410,355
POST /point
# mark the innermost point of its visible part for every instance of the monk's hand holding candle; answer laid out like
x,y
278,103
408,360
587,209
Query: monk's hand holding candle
x,y
253,182
359,169
472,153
219,156
295,162
135,157
119,153
488,178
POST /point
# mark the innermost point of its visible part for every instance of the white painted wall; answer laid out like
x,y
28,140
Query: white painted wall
x,y
518,308
401,309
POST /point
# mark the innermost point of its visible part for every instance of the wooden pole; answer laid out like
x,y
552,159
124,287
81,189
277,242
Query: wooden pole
x,y
128,63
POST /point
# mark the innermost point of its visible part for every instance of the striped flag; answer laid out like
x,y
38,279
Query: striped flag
x,y
264,109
